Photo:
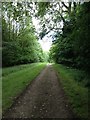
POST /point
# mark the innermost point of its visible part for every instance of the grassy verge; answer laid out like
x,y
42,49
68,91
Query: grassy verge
x,y
13,83
8,70
77,93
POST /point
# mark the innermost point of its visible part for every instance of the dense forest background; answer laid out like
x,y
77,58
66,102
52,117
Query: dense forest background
x,y
71,39
72,46
20,44
71,43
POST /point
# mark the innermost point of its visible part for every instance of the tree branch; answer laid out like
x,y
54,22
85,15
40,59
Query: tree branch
x,y
64,5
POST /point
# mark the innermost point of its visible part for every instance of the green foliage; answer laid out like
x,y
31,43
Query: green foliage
x,y
76,92
72,46
81,37
20,44
46,56
16,80
42,8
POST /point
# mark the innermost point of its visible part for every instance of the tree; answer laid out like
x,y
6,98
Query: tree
x,y
20,44
70,22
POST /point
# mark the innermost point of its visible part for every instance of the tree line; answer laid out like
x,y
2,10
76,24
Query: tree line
x,y
71,23
19,43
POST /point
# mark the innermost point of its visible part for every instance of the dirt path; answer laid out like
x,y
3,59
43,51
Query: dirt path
x,y
44,98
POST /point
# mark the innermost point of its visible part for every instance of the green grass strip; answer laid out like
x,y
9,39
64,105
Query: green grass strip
x,y
77,94
8,70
